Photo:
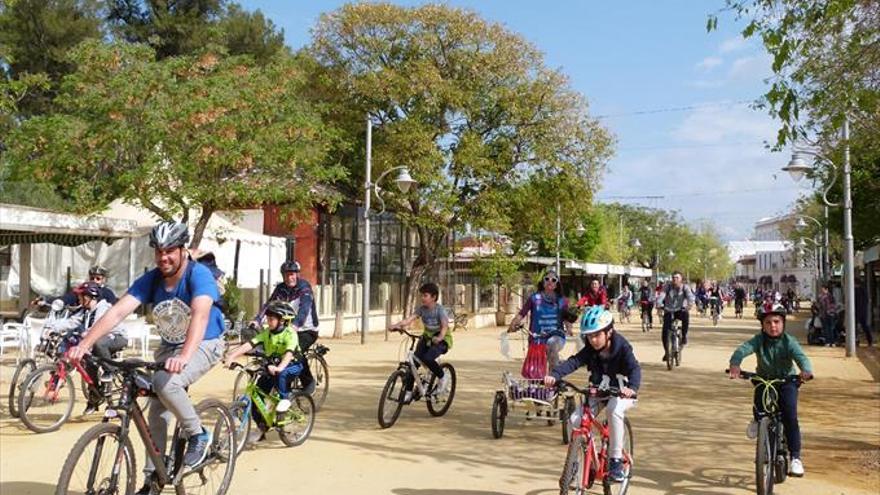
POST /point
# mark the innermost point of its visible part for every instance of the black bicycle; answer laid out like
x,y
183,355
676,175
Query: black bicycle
x,y
102,462
771,451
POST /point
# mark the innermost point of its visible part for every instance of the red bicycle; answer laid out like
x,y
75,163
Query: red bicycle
x,y
584,462
47,395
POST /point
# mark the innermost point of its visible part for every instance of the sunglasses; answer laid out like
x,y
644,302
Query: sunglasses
x,y
551,279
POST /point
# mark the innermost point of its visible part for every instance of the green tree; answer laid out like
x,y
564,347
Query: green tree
x,y
35,36
185,27
467,105
826,64
182,134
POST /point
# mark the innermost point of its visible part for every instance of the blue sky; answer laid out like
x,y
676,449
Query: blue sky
x,y
676,97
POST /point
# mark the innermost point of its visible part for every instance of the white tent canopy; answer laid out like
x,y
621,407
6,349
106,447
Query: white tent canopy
x,y
52,255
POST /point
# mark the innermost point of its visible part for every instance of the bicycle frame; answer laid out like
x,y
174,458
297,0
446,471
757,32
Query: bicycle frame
x,y
62,368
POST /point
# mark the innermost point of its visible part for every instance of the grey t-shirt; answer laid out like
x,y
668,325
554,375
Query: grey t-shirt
x,y
433,318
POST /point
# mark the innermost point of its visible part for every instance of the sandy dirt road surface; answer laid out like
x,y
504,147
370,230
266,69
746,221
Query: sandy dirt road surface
x,y
689,427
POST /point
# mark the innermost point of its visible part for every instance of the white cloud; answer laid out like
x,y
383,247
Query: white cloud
x,y
721,172
751,67
734,44
717,124
707,83
709,63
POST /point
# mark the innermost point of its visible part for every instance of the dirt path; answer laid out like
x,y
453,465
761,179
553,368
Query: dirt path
x,y
689,428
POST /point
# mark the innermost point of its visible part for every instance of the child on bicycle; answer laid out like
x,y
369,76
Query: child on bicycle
x,y
436,340
776,352
279,342
611,361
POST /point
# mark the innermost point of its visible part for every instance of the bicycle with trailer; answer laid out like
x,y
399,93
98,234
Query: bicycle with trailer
x,y
103,460
771,449
294,425
586,462
528,398
425,385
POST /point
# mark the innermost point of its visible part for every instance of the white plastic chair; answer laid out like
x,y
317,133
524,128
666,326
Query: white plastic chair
x,y
14,335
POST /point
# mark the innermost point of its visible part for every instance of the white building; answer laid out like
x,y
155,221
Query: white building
x,y
769,261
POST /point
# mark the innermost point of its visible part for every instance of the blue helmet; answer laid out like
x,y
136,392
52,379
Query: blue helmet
x,y
595,319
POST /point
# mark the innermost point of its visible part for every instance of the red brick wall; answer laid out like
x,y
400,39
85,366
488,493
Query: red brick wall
x,y
305,233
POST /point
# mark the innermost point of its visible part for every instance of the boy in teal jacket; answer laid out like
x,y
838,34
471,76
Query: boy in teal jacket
x,y
777,352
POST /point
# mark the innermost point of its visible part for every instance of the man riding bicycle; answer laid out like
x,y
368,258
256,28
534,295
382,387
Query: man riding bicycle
x,y
185,297
676,300
298,292
739,298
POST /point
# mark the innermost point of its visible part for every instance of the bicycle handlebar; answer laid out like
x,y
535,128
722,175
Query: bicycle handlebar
x,y
404,332
749,375
593,391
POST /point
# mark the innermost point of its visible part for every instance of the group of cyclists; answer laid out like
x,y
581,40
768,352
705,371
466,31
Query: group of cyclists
x,y
191,346
611,361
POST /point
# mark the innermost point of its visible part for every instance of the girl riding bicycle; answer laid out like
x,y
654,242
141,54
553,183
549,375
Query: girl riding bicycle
x,y
279,342
436,340
608,357
550,317
776,352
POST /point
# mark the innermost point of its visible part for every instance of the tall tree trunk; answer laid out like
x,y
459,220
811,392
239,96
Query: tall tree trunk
x,y
201,225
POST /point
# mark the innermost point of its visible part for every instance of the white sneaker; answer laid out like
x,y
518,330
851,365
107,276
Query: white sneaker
x,y
752,430
796,468
407,396
283,406
444,384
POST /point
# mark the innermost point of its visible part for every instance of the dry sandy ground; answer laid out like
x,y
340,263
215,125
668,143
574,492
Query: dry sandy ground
x,y
689,428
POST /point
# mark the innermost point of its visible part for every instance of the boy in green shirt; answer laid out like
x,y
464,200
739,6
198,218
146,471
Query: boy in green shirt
x,y
280,344
776,352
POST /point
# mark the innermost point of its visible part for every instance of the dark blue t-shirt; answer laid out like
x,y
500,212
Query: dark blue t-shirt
x,y
200,283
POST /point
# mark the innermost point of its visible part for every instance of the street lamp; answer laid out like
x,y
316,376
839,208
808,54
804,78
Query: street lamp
x,y
404,183
797,167
824,256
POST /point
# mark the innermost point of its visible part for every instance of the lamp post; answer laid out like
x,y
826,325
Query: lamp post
x,y
404,182
823,254
797,167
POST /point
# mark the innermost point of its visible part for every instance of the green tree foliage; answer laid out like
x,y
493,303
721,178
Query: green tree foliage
x,y
35,36
185,27
467,105
826,64
201,133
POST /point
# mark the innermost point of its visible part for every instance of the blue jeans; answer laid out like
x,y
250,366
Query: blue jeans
x,y
281,381
829,329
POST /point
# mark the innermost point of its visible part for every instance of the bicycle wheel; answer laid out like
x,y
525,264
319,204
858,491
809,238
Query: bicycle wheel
x,y
297,424
91,465
391,401
241,411
24,368
644,322
670,349
565,418
611,488
45,401
214,474
241,381
499,414
439,402
763,460
576,462
715,318
321,374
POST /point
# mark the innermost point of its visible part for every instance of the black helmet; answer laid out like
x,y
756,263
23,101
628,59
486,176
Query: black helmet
x,y
169,235
290,266
91,289
98,270
281,309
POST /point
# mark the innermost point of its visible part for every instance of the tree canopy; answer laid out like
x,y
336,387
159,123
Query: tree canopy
x,y
201,133
468,106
